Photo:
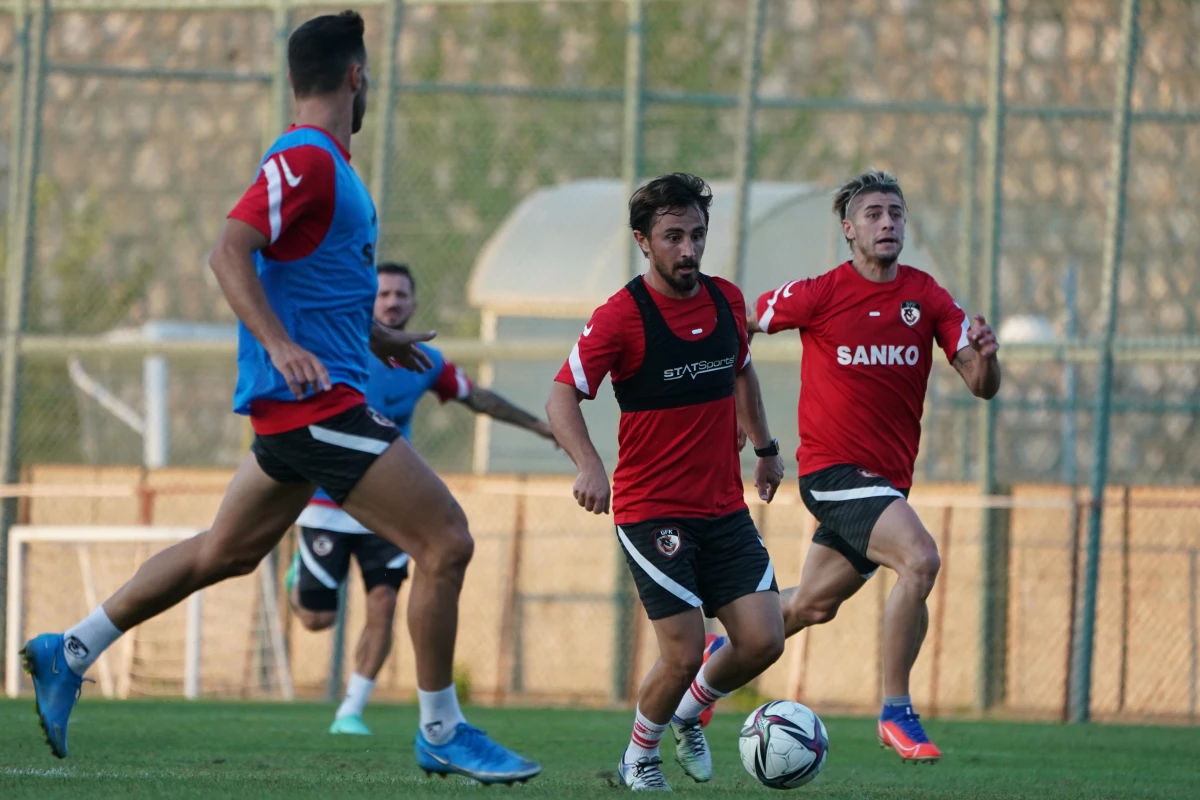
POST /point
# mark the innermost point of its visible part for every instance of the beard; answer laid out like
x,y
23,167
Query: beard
x,y
680,282
358,112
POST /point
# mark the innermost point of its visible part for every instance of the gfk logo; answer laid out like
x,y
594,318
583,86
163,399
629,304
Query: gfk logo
x,y
887,355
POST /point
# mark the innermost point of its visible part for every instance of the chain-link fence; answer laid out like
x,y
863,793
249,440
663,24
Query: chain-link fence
x,y
129,132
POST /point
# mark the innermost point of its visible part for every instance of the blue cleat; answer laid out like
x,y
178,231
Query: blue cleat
x,y
56,687
471,753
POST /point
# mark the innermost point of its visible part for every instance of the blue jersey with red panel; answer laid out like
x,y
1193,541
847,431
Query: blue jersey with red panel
x,y
318,269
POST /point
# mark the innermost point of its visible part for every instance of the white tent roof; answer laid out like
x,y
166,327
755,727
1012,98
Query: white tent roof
x,y
561,252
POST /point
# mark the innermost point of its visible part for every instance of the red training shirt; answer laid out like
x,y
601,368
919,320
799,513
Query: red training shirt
x,y
676,462
868,349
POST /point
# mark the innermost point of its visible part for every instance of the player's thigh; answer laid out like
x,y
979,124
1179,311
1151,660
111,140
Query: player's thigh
x,y
732,561
681,640
324,563
661,555
256,511
402,500
900,541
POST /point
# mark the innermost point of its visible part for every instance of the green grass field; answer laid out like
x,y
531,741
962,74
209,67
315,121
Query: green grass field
x,y
253,750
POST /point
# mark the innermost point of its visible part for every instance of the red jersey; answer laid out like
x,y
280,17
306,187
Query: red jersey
x,y
672,462
868,349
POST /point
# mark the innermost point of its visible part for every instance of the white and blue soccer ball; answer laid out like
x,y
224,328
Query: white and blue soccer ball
x,y
783,744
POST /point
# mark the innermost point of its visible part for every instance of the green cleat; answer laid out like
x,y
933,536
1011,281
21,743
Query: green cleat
x,y
352,724
293,572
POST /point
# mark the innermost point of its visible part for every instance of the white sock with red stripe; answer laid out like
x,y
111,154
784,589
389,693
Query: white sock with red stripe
x,y
698,697
645,739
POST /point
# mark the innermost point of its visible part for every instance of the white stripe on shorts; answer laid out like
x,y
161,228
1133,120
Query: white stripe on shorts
x,y
398,562
860,493
363,444
767,577
655,573
315,567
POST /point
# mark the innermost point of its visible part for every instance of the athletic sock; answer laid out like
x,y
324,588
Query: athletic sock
x,y
699,696
358,690
644,741
84,643
440,714
894,706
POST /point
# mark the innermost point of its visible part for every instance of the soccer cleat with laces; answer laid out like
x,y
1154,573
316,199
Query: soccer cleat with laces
x,y
691,749
644,775
351,724
471,753
900,729
712,643
56,687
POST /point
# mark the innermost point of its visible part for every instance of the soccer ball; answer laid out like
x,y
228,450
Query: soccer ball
x,y
783,744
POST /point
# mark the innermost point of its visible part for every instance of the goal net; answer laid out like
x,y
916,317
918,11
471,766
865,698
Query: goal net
x,y
225,640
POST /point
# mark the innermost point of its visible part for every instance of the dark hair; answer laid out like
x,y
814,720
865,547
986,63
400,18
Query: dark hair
x,y
322,49
392,268
665,194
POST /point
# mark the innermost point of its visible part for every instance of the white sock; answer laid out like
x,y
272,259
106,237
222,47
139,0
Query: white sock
x,y
84,643
698,697
440,714
645,739
358,690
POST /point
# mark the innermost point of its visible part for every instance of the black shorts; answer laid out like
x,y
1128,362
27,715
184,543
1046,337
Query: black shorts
x,y
680,564
325,561
333,453
847,501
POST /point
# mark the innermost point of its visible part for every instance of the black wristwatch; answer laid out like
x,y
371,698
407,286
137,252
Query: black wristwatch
x,y
770,450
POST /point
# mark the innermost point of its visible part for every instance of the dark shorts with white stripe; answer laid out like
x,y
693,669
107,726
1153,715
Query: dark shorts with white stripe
x,y
679,564
325,562
847,501
334,453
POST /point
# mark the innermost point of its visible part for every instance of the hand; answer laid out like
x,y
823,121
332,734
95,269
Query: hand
x,y
981,338
592,491
741,439
302,370
768,474
543,430
399,348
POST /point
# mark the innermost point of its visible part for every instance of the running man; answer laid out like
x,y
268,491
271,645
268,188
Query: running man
x,y
296,261
868,329
329,535
674,342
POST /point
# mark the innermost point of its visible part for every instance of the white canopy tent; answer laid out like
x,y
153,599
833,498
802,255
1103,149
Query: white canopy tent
x,y
562,252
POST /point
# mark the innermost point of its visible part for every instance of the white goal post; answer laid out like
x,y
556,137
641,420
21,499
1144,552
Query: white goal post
x,y
115,681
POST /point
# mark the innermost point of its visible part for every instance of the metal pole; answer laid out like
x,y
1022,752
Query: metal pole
x,y
743,169
966,266
1113,242
277,111
30,84
635,104
385,113
631,170
991,629
1070,468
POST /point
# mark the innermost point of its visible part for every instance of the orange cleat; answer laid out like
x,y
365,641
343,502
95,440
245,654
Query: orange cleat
x,y
712,643
901,730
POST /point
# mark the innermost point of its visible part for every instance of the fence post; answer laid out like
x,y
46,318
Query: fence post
x,y
385,114
966,264
29,84
624,592
1081,682
743,168
280,89
993,573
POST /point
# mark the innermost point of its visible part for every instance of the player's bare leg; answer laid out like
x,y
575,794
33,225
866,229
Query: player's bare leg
x,y
900,541
402,500
827,581
253,517
681,648
754,624
374,645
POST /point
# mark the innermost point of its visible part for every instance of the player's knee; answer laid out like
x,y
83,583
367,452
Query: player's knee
x,y
453,548
922,567
381,607
763,650
216,563
805,612
683,666
316,620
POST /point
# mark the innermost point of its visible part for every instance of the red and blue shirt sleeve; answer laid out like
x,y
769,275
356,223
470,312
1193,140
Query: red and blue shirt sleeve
x,y
451,383
291,202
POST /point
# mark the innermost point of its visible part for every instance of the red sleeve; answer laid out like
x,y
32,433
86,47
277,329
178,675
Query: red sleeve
x,y
789,307
291,202
737,304
599,350
950,322
452,383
